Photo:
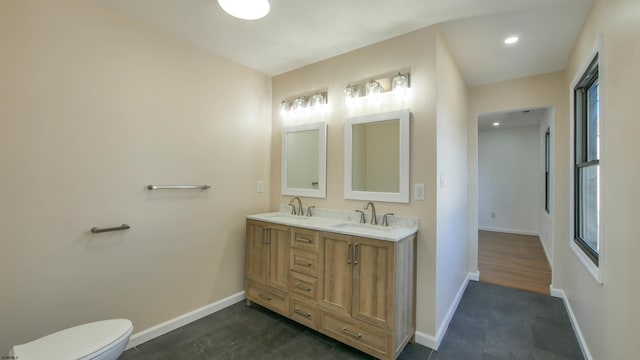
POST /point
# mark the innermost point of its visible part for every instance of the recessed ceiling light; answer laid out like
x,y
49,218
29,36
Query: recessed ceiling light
x,y
246,9
496,124
511,40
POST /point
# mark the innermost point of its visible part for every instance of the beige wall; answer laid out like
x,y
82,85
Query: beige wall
x,y
93,107
451,182
415,52
608,314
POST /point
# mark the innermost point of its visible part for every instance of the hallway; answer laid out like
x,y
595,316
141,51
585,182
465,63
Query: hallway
x,y
512,260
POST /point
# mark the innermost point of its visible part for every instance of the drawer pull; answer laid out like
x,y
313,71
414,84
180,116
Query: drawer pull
x,y
266,297
303,263
351,333
302,287
300,312
308,241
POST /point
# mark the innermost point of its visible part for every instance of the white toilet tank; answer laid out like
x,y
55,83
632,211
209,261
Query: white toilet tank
x,y
100,340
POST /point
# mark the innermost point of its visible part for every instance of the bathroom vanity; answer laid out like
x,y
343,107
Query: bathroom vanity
x,y
350,281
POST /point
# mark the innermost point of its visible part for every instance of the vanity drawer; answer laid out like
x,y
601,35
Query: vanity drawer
x,y
362,336
304,286
273,299
304,262
305,239
304,312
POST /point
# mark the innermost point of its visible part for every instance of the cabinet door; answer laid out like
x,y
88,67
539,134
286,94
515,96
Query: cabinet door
x,y
372,299
336,272
278,247
257,258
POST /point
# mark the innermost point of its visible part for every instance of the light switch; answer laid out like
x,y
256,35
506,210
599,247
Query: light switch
x,y
260,186
418,191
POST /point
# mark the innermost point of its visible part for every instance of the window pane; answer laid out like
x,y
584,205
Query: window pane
x,y
593,129
589,205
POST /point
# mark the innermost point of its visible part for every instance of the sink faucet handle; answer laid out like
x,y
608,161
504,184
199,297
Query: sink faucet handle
x,y
384,219
309,210
361,216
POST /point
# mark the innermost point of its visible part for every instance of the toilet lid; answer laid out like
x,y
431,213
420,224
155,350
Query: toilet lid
x,y
76,342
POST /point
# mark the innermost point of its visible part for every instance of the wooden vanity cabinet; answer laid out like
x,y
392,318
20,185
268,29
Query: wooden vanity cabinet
x,y
366,292
358,290
267,265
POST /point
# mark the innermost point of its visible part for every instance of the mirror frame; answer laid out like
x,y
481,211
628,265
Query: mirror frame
x,y
404,161
321,191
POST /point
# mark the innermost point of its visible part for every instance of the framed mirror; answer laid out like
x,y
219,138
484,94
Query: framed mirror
x,y
376,164
304,160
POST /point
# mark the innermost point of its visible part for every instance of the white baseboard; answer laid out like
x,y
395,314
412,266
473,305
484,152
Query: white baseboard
x,y
474,276
433,342
509,231
169,325
559,293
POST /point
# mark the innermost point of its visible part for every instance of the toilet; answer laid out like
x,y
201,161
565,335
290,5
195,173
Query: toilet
x,y
100,340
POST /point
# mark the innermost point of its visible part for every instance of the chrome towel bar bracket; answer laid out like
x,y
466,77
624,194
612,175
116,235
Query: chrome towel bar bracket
x,y
183,187
96,230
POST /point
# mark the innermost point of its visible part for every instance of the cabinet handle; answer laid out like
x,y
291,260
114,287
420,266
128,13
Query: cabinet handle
x,y
351,333
304,240
300,312
303,263
302,287
266,297
348,253
355,254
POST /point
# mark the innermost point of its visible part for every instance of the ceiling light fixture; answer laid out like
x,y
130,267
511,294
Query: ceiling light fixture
x,y
511,40
246,9
496,124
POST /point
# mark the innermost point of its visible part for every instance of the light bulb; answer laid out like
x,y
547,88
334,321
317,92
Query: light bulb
x,y
316,102
284,107
373,91
400,84
351,94
298,104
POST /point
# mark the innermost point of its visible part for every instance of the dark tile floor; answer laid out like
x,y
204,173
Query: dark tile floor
x,y
492,322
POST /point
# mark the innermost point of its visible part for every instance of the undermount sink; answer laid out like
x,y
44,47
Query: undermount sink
x,y
288,217
362,227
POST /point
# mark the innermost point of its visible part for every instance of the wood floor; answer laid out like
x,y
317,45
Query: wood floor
x,y
516,261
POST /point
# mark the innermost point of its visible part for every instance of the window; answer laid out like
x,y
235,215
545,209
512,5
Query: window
x,y
587,162
547,170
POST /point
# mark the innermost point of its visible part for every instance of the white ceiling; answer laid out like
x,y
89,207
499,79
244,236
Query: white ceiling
x,y
511,119
297,32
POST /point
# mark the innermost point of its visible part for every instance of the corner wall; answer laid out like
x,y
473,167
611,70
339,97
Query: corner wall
x,y
94,107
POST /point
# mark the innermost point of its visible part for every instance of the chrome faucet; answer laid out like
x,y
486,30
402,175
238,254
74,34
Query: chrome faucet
x,y
374,221
299,211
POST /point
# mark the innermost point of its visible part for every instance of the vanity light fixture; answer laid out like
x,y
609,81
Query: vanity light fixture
x,y
399,83
302,104
246,9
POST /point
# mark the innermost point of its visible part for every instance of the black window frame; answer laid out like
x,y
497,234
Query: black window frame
x,y
582,159
547,170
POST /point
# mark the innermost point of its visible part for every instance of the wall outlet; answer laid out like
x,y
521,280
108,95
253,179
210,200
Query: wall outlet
x,y
260,186
418,191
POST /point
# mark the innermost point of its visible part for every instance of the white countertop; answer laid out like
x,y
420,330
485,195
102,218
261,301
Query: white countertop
x,y
343,223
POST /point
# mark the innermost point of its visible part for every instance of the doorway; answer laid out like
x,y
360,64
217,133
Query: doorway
x,y
514,197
